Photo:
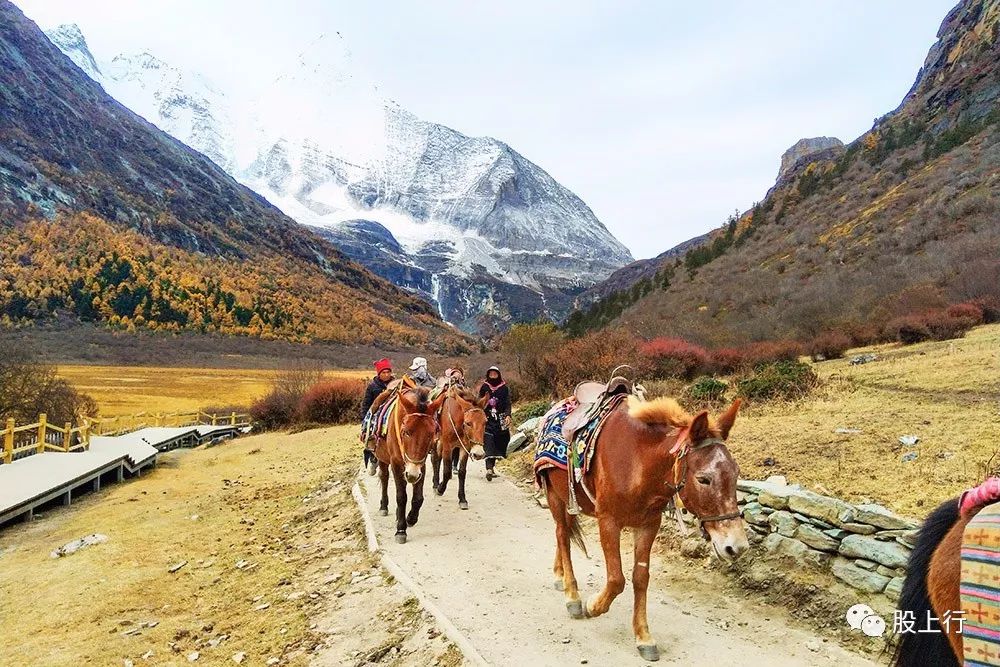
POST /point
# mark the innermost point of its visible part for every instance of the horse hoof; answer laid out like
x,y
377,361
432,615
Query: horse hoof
x,y
575,609
438,490
462,505
400,538
649,652
411,521
558,585
383,512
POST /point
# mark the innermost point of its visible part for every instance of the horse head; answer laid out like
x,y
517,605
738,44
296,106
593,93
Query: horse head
x,y
417,430
470,424
705,476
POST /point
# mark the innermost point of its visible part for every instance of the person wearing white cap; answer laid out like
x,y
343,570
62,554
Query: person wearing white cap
x,y
419,373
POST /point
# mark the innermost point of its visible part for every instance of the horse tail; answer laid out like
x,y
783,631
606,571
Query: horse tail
x,y
576,534
925,648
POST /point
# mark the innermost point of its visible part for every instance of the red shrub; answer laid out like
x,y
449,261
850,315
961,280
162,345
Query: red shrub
x,y
931,325
767,351
728,360
276,410
829,345
674,357
990,305
593,357
967,311
335,401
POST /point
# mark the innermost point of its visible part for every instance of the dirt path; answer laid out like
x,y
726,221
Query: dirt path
x,y
488,570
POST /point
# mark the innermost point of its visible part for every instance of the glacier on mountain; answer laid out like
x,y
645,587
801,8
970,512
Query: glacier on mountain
x,y
468,222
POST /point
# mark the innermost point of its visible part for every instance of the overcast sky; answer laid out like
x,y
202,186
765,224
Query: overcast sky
x,y
663,116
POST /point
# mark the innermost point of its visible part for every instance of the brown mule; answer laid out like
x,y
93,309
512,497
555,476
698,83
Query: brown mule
x,y
645,454
463,427
412,430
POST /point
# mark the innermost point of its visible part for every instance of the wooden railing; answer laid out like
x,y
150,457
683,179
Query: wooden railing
x,y
21,441
127,423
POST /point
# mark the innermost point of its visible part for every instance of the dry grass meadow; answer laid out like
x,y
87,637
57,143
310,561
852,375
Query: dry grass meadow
x,y
306,589
126,390
946,393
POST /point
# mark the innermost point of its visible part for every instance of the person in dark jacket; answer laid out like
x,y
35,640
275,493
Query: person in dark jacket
x,y
379,383
497,435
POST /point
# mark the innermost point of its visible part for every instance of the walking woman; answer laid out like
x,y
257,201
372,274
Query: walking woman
x,y
497,435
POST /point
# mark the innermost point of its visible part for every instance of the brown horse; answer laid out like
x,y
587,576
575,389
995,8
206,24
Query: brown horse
x,y
933,575
646,453
463,427
412,430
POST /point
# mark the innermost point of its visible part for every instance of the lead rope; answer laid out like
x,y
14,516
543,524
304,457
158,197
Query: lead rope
x,y
399,439
455,429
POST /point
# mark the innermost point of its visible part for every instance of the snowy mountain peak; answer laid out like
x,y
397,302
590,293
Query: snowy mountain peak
x,y
71,41
468,222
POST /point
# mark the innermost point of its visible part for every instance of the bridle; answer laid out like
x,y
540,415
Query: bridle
x,y
458,435
397,419
681,479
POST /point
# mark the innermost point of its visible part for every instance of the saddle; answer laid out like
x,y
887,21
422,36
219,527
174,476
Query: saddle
x,y
590,396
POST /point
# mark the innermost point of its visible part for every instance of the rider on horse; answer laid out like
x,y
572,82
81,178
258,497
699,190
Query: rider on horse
x,y
419,374
379,383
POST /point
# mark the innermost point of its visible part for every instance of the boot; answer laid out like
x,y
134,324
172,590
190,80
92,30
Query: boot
x,y
490,473
371,463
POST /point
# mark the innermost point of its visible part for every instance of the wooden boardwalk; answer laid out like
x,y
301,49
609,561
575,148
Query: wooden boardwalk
x,y
53,477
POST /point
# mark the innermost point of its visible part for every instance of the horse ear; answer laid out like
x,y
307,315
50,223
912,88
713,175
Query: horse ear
x,y
483,401
407,402
728,418
699,428
436,404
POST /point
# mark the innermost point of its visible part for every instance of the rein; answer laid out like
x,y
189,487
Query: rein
x,y
680,481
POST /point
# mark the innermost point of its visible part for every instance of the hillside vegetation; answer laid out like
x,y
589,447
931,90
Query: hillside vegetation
x,y
901,221
108,219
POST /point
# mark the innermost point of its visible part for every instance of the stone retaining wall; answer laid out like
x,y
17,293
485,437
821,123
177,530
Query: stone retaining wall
x,y
866,546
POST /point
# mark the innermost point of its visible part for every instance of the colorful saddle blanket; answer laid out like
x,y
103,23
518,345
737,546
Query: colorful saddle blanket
x,y
376,423
552,449
979,589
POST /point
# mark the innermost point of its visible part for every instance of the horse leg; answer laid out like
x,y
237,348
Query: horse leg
x,y
557,507
383,477
436,463
417,502
611,542
397,477
644,537
557,570
463,463
446,473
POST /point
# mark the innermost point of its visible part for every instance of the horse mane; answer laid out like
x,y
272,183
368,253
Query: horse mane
x,y
925,648
665,411
420,397
466,394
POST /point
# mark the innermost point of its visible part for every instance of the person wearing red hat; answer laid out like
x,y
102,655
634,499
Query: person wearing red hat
x,y
379,383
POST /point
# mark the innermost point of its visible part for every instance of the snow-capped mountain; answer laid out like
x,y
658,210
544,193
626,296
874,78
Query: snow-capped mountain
x,y
468,222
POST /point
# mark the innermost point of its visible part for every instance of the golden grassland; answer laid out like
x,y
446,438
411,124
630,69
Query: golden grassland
x,y
280,502
125,390
946,393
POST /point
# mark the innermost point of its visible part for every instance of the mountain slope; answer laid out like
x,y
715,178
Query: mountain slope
x,y
76,158
478,229
902,219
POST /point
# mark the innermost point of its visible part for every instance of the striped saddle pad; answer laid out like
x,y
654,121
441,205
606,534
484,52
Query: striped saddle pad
x,y
376,424
552,449
980,588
